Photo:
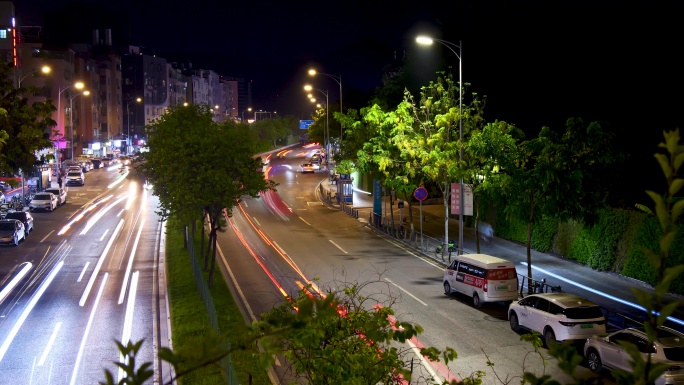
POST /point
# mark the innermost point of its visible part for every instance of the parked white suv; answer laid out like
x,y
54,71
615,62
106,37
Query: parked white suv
x,y
557,316
60,193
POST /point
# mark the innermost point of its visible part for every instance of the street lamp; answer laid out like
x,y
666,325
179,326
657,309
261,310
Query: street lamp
x,y
243,113
45,70
338,80
128,116
78,86
326,135
424,40
71,119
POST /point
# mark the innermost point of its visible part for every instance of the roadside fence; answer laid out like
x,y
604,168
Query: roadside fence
x,y
226,364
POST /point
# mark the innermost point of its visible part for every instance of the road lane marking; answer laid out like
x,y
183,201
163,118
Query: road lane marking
x,y
279,248
305,221
338,246
103,235
79,357
46,237
257,221
91,281
405,291
51,341
124,284
31,304
85,267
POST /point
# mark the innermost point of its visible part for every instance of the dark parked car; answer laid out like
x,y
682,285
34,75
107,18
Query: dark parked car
x,y
24,217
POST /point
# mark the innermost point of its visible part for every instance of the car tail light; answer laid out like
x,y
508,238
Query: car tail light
x,y
568,324
484,287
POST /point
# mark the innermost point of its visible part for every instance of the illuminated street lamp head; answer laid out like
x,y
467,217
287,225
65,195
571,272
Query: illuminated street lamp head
x,y
46,69
216,107
309,96
249,109
185,104
86,93
79,85
424,40
313,100
312,72
138,100
308,87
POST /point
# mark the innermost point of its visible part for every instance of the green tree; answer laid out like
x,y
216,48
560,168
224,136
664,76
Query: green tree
x,y
27,125
557,176
490,151
200,169
273,130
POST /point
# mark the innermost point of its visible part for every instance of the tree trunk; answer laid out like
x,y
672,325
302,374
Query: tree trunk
x,y
477,227
206,256
445,248
185,237
213,259
203,236
392,229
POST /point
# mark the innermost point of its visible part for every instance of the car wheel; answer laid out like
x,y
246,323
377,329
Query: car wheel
x,y
549,336
476,301
447,288
594,360
513,320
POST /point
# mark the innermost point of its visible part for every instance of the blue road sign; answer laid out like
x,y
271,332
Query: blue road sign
x,y
304,124
420,193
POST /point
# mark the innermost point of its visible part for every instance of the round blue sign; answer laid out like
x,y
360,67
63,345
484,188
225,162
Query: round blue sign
x,y
420,193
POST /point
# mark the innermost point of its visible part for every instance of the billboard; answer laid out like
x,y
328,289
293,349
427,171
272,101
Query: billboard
x,y
304,124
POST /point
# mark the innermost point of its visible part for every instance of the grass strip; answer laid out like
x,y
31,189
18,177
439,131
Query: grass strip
x,y
190,321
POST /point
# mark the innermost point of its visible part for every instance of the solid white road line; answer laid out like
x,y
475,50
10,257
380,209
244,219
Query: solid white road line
x,y
51,342
85,267
338,246
405,291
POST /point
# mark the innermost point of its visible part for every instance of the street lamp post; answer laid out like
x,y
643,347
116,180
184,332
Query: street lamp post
x,y
71,119
243,113
424,40
128,119
338,80
78,86
326,135
45,70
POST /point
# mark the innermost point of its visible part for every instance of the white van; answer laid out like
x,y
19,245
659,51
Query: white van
x,y
484,277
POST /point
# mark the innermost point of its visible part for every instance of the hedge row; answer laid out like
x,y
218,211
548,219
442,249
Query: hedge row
x,y
614,243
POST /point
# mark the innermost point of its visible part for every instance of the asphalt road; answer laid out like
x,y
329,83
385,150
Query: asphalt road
x,y
280,241
84,278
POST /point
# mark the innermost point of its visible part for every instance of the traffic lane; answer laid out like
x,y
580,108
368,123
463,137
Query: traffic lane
x,y
103,325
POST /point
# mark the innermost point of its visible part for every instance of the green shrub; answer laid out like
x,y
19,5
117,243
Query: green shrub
x,y
637,266
542,234
562,241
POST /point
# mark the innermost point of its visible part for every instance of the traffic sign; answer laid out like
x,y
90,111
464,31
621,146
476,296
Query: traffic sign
x,y
420,193
304,124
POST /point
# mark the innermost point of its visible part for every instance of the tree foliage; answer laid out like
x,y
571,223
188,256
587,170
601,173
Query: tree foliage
x,y
200,169
28,126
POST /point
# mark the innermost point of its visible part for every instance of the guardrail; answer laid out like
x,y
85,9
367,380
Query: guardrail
x,y
533,286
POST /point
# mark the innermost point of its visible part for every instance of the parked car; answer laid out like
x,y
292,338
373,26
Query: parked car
x,y
24,217
97,163
2,197
43,201
605,351
75,177
306,167
60,193
557,316
11,232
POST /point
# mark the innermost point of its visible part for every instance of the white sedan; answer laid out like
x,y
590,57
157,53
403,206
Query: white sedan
x,y
43,201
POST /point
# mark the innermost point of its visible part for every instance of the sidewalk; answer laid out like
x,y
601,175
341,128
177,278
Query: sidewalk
x,y
610,290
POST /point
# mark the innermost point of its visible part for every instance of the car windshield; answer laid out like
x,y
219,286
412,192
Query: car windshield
x,y
7,226
583,312
15,215
42,197
74,174
674,354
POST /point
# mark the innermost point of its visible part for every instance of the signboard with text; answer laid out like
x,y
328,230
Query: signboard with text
x,y
304,124
456,199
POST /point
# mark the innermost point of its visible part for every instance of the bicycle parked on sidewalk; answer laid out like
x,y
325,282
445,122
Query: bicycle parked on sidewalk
x,y
452,248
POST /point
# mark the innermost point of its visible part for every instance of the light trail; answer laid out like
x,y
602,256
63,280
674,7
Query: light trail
x,y
598,292
128,322
100,214
85,268
129,267
81,349
15,281
29,307
51,342
91,281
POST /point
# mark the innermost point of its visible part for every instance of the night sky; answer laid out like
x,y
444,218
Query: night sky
x,y
538,62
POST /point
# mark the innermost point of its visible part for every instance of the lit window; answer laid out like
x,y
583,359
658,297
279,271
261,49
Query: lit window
x,y
3,33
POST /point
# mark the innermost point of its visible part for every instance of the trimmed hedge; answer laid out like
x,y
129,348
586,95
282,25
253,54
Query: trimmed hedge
x,y
612,244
